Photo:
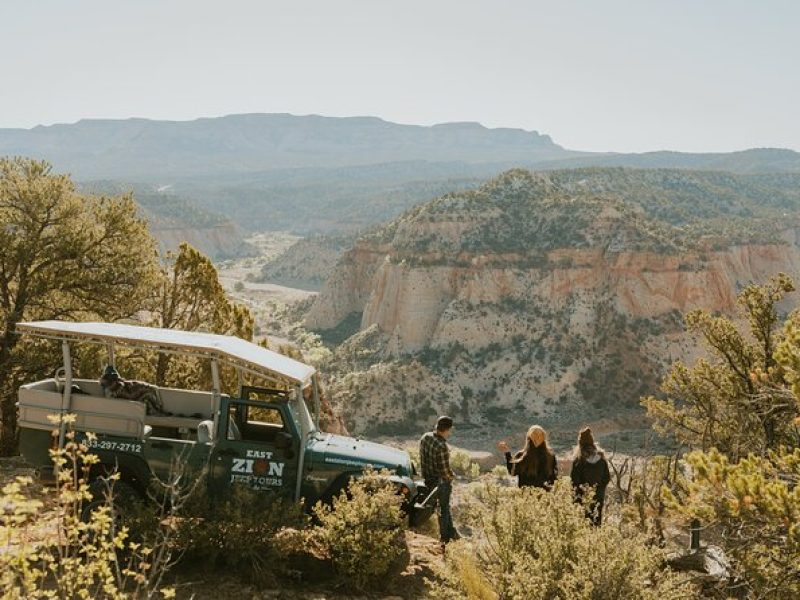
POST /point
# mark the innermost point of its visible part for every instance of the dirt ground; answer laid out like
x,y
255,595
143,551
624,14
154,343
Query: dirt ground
x,y
424,553
243,270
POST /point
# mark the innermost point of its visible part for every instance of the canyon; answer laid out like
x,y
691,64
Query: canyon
x,y
543,296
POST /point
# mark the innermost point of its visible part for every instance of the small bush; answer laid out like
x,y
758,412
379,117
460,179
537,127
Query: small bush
x,y
89,555
249,533
362,532
535,544
462,465
755,505
499,472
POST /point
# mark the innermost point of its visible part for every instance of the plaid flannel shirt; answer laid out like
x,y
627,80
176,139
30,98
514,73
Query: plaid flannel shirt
x,y
434,457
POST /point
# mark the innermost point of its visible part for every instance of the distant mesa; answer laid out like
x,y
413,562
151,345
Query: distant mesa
x,y
325,175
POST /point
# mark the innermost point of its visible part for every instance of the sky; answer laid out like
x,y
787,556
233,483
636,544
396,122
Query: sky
x,y
599,75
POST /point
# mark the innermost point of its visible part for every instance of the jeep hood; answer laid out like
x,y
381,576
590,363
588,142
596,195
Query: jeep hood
x,y
350,452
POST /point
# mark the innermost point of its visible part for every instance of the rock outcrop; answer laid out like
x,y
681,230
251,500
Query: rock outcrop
x,y
556,284
219,242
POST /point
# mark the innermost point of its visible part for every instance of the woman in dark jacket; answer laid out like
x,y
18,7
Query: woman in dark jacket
x,y
535,465
590,471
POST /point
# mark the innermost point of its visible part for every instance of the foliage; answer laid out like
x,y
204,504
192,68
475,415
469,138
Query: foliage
x,y
65,256
187,295
755,503
463,466
737,400
527,214
249,533
363,531
92,557
787,355
741,412
190,297
538,544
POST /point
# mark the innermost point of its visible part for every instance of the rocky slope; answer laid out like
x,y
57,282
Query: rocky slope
x,y
218,242
307,263
174,219
542,294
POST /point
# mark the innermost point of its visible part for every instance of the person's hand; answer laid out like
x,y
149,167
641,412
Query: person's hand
x,y
502,446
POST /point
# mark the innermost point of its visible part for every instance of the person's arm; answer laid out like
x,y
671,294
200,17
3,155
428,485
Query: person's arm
x,y
503,447
554,474
447,470
605,478
576,474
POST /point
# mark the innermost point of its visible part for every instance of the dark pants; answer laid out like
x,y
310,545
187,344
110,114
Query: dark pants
x,y
447,530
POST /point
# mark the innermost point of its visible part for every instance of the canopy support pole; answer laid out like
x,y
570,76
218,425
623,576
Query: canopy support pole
x,y
302,450
66,398
240,375
112,360
215,394
315,386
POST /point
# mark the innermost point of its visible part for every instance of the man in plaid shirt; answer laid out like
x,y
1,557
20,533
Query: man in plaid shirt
x,y
434,457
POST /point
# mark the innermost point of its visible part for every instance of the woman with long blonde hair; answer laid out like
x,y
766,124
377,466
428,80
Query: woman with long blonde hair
x,y
535,465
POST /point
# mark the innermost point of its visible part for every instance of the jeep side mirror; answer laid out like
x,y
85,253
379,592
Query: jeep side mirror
x,y
283,440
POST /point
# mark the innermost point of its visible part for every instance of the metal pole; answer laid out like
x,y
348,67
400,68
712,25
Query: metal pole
x,y
215,394
240,375
112,360
694,531
302,450
315,385
66,398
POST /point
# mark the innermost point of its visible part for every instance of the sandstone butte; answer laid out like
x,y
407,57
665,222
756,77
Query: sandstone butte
x,y
408,301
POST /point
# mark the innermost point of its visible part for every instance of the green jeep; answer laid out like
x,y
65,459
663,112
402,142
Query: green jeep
x,y
265,438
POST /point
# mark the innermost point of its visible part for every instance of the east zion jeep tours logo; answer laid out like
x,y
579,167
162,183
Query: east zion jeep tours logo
x,y
257,470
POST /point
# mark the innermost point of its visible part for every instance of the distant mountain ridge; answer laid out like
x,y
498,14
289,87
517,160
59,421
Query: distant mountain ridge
x,y
754,160
149,149
329,175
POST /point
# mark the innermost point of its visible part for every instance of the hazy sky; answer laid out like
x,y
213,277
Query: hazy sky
x,y
596,75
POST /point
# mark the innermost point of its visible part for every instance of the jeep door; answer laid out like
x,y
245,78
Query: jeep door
x,y
258,447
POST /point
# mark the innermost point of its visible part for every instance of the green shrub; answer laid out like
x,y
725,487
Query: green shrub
x,y
535,544
462,465
362,532
88,553
499,472
755,504
250,533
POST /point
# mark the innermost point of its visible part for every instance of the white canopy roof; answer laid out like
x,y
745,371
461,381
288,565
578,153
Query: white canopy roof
x,y
227,349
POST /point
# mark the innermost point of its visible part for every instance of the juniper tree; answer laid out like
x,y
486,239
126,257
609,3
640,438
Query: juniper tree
x,y
736,399
64,255
190,297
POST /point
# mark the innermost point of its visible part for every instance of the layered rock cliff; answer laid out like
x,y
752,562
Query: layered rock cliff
x,y
551,290
219,242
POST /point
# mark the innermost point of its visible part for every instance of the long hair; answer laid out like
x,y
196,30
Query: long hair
x,y
586,444
533,459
